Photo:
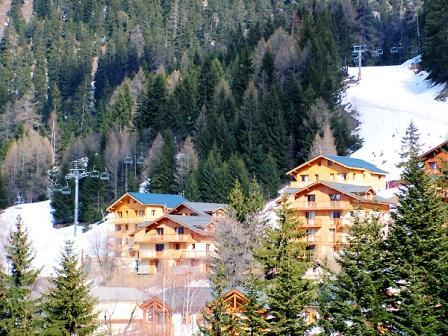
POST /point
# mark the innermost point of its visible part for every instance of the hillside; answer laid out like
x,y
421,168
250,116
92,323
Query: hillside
x,y
386,100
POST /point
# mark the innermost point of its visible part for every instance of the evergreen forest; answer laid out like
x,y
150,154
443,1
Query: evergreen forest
x,y
187,96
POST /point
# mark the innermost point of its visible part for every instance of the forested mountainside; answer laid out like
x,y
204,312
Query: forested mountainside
x,y
187,96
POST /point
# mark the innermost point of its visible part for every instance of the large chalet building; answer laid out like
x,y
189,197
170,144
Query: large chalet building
x,y
436,159
162,231
326,191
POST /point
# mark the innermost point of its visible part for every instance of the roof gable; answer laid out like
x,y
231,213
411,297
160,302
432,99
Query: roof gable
x,y
440,147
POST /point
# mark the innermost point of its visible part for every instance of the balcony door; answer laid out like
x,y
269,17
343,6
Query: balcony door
x,y
310,217
179,232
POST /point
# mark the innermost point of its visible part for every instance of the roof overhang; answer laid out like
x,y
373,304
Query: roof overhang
x,y
435,149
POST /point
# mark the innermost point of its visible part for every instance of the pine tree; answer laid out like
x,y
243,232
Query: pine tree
x,y
285,261
354,293
192,187
237,202
254,199
254,315
19,312
69,308
162,179
3,195
416,250
269,176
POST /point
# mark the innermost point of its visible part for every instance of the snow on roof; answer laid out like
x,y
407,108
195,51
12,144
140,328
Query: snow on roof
x,y
350,188
443,145
178,297
168,200
354,163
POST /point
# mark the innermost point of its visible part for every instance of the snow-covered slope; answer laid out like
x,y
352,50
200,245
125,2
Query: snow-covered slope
x,y
387,99
47,242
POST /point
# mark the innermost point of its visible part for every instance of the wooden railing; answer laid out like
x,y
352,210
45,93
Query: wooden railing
x,y
131,220
173,254
166,238
323,205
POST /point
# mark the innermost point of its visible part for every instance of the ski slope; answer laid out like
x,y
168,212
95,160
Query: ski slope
x,y
47,242
387,99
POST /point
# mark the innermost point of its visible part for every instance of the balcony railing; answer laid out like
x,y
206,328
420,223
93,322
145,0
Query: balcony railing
x,y
166,238
312,239
130,220
313,222
323,205
143,269
173,254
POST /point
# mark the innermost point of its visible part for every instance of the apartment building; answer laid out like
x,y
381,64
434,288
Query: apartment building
x,y
436,160
326,191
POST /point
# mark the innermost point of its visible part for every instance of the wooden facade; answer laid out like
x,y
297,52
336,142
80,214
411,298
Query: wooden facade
x,y
436,161
326,194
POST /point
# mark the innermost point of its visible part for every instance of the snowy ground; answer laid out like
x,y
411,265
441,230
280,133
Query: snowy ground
x,y
387,99
47,242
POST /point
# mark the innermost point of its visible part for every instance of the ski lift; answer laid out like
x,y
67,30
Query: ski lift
x,y
364,48
128,160
377,52
95,173
141,159
356,49
67,190
19,199
57,188
105,175
400,46
394,49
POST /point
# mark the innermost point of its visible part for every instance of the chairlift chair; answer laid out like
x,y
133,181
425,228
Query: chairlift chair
x,y
67,190
128,160
364,48
104,176
19,199
141,159
379,51
356,49
400,45
57,188
95,173
394,49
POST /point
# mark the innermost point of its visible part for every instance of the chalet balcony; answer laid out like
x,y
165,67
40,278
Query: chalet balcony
x,y
173,254
322,205
131,220
313,223
167,238
311,239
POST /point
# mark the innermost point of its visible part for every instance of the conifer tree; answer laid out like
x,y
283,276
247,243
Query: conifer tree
x,y
69,307
416,250
162,179
192,187
254,315
3,195
269,176
354,293
18,311
285,261
237,202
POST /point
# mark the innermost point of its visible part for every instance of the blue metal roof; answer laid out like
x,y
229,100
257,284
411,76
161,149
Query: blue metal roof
x,y
354,163
168,200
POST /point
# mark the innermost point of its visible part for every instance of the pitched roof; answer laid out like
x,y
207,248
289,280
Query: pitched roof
x,y
205,207
168,200
177,298
345,161
194,223
351,190
117,293
354,163
436,148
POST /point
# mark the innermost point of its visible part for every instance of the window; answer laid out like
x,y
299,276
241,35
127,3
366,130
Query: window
x,y
329,163
159,231
153,212
332,235
354,176
342,177
179,230
140,213
160,247
432,165
126,227
127,213
305,178
319,163
331,177
207,247
335,214
335,197
120,214
149,316
193,246
118,228
311,198
316,177
177,246
310,215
